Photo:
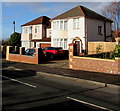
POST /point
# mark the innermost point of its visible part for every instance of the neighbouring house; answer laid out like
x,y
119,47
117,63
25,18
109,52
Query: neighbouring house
x,y
36,33
79,25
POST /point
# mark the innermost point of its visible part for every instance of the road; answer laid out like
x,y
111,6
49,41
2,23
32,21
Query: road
x,y
24,90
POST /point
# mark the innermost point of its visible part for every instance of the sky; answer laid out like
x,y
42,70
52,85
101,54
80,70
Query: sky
x,y
23,12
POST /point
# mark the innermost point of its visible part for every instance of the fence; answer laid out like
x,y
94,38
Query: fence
x,y
100,47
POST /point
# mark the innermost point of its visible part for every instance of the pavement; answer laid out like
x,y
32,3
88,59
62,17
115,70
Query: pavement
x,y
59,69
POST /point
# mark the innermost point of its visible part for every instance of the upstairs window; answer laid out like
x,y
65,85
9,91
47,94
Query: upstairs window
x,y
60,25
65,25
76,23
36,29
25,30
100,30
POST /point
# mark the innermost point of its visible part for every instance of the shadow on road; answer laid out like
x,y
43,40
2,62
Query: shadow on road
x,y
63,106
17,74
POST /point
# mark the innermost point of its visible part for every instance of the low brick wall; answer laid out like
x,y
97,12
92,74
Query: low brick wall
x,y
23,58
93,64
96,65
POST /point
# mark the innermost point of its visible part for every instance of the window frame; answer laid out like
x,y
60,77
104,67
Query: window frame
x,y
100,30
76,23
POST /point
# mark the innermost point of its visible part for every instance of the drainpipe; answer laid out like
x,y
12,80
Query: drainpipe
x,y
105,30
86,41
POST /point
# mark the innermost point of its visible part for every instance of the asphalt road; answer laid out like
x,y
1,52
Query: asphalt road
x,y
24,90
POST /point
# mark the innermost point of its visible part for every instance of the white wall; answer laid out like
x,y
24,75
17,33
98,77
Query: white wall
x,y
48,33
25,44
70,33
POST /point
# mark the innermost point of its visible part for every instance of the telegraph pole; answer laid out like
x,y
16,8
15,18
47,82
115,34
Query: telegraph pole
x,y
14,26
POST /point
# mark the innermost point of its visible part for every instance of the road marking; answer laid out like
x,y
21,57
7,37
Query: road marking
x,y
103,108
27,84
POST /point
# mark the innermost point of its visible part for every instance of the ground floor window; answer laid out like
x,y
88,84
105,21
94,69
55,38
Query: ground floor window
x,y
60,43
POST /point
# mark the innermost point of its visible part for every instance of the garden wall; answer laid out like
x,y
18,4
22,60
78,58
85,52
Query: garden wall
x,y
23,58
104,47
93,64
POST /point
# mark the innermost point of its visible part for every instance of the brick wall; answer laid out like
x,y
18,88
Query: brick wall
x,y
23,58
93,64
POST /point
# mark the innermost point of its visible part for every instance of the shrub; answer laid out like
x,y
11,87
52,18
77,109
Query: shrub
x,y
117,49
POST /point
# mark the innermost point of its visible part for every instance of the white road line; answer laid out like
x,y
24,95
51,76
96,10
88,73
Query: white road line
x,y
27,84
103,108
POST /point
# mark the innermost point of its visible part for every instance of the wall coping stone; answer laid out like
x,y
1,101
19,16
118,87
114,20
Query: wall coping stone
x,y
94,58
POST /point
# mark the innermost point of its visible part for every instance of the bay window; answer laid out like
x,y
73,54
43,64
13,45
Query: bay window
x,y
60,42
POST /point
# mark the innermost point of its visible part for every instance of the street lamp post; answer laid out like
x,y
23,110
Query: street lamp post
x,y
14,26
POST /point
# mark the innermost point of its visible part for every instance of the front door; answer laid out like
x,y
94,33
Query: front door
x,y
77,47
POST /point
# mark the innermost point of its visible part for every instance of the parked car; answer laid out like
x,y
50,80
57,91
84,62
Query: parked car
x,y
32,52
52,52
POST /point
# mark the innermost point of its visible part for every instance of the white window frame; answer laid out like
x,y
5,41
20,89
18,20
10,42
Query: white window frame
x,y
60,25
76,24
37,29
61,42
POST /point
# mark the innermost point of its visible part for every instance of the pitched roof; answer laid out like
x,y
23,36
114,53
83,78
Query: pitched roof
x,y
39,20
81,11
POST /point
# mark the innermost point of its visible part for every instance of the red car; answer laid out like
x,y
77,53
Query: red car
x,y
52,52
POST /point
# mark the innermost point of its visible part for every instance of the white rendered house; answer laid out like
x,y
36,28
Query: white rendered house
x,y
79,25
36,33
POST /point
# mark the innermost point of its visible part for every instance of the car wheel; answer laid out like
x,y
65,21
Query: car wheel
x,y
51,56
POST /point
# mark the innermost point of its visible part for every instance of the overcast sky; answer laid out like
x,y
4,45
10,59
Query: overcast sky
x,y
23,12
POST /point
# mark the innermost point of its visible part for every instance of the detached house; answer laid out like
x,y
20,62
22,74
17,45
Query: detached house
x,y
36,33
79,25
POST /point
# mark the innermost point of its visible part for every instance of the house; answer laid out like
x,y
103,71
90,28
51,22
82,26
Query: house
x,y
79,25
36,33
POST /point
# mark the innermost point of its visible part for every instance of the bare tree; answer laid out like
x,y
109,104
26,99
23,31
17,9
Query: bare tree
x,y
112,11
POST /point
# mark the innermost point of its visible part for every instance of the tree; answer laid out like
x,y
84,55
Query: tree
x,y
112,11
15,39
4,42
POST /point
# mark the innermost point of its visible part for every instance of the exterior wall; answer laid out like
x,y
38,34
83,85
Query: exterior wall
x,y
108,29
93,64
26,44
37,35
48,33
92,30
106,47
70,33
27,37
